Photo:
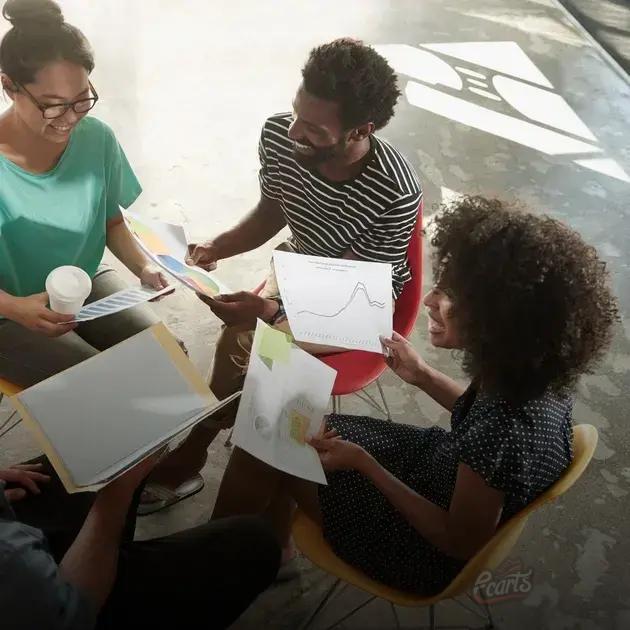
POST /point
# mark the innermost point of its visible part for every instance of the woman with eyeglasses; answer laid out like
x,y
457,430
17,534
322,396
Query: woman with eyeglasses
x,y
71,561
63,180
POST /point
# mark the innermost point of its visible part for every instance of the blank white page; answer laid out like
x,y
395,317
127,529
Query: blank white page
x,y
99,412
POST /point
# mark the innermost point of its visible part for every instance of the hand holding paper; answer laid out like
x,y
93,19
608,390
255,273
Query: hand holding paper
x,y
336,302
242,307
335,453
32,313
203,255
125,485
284,399
404,359
152,276
165,244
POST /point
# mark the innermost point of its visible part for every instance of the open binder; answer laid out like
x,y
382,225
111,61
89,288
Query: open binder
x,y
99,418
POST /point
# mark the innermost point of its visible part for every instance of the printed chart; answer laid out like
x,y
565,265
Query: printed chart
x,y
336,302
166,245
118,301
284,398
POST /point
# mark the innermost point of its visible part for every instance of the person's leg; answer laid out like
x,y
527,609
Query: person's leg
x,y
231,357
58,514
249,486
203,577
27,357
226,377
105,332
61,515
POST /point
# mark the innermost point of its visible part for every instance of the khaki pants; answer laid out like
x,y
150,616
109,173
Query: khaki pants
x,y
27,357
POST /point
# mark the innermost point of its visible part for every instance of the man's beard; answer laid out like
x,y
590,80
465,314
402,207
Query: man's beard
x,y
320,155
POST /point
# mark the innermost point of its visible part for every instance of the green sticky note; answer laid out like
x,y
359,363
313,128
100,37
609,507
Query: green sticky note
x,y
274,344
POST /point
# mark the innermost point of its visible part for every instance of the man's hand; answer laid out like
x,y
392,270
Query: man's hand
x,y
243,307
27,475
204,255
32,313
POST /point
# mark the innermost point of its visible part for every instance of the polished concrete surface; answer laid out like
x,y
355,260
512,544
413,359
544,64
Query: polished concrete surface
x,y
608,21
187,85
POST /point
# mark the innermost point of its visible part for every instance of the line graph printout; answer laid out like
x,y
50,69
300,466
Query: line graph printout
x,y
336,302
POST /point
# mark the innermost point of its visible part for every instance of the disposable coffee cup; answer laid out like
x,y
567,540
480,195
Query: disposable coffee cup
x,y
68,288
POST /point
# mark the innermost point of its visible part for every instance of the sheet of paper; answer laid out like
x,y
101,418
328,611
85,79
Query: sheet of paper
x,y
97,414
118,301
206,415
284,400
336,302
166,245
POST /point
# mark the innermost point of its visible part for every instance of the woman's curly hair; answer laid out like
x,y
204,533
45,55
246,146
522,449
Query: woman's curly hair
x,y
531,299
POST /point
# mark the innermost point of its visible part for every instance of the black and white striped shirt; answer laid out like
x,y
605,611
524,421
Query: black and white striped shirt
x,y
372,214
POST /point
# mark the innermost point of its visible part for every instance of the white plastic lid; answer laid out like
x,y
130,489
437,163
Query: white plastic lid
x,y
68,283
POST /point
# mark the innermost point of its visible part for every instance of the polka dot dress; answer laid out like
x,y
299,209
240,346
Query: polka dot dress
x,y
519,450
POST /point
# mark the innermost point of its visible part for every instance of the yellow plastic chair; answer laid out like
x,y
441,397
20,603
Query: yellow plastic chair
x,y
8,389
309,539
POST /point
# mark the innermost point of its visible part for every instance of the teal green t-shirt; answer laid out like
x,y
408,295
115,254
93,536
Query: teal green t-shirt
x,y
59,217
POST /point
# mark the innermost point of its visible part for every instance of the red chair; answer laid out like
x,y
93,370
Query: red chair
x,y
357,369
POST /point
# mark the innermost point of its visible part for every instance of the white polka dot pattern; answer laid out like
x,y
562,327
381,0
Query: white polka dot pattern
x,y
519,449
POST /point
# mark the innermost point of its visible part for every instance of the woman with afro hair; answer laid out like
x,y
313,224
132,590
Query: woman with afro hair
x,y
526,304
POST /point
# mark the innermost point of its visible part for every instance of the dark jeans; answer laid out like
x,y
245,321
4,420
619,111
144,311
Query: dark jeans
x,y
203,577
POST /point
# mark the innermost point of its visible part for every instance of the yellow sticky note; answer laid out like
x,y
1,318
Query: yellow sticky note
x,y
298,426
274,344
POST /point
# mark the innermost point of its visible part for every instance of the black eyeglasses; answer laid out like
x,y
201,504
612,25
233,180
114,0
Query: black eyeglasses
x,y
49,112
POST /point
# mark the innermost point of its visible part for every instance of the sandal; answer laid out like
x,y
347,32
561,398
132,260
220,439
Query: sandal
x,y
156,497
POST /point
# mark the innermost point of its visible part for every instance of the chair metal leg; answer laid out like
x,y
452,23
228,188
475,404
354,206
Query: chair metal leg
x,y
228,442
366,397
380,389
484,613
320,606
12,415
432,617
355,609
477,609
336,404
490,625
395,616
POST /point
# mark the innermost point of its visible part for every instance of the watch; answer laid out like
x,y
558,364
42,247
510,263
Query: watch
x,y
280,313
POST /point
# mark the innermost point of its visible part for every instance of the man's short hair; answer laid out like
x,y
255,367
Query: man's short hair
x,y
357,78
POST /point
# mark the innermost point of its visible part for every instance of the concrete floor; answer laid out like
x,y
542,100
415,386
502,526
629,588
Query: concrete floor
x,y
187,85
608,21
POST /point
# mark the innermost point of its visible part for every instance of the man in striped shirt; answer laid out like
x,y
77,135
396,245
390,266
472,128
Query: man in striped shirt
x,y
342,191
